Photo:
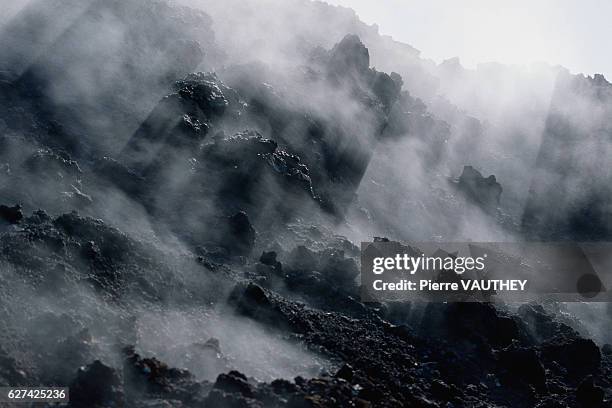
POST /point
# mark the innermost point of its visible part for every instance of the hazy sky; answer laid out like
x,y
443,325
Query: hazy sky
x,y
573,33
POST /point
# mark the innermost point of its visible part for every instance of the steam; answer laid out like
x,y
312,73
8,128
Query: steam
x,y
210,342
104,74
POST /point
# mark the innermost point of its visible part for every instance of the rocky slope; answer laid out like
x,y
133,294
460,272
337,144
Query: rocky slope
x,y
171,238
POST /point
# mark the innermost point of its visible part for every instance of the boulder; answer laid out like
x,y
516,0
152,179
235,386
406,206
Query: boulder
x,y
234,382
577,355
486,192
11,215
588,394
97,386
242,234
349,57
522,364
151,376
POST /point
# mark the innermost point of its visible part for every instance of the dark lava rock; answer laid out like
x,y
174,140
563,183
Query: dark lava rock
x,y
318,157
349,62
442,391
169,126
268,258
112,243
71,248
325,277
338,268
409,116
482,320
12,215
206,90
244,161
189,175
252,301
573,205
48,161
387,89
159,42
252,295
335,267
242,233
541,324
228,175
233,235
181,119
289,166
484,191
240,146
233,382
218,398
97,386
606,349
588,394
303,259
39,217
381,364
149,376
335,148
346,372
578,356
350,57
522,364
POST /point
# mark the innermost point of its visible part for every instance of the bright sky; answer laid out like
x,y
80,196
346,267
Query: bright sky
x,y
574,33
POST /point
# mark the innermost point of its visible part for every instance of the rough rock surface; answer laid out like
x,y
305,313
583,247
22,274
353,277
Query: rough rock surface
x,y
189,251
485,191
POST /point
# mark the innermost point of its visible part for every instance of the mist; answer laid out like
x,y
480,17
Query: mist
x,y
185,186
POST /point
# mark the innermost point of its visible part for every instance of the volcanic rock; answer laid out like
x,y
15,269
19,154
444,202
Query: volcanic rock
x,y
588,394
234,381
522,364
578,356
242,233
97,386
484,191
12,215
